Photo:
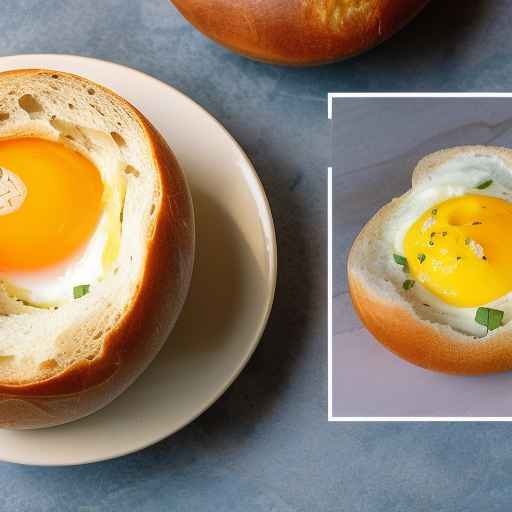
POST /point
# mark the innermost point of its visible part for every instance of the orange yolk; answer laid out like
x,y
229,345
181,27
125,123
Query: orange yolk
x,y
460,250
61,209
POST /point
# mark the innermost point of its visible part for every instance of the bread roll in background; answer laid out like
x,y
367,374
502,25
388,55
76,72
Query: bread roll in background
x,y
299,32
58,365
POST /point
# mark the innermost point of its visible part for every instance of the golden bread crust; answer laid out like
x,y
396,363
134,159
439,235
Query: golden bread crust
x,y
423,345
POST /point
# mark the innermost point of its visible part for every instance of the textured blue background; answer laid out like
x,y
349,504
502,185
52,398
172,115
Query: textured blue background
x,y
266,445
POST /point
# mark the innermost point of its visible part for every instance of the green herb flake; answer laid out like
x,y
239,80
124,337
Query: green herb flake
x,y
421,257
488,317
400,260
476,223
81,290
434,211
484,185
408,284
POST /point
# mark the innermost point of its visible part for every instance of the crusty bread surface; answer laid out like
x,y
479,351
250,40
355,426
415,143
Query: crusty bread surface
x,y
387,312
57,365
299,32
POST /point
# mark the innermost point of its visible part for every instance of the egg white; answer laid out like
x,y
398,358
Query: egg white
x,y
457,177
54,286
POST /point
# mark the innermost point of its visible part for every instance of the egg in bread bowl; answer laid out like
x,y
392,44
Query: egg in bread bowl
x,y
299,32
430,274
96,246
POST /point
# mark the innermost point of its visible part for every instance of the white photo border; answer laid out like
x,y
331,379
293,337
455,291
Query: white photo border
x,y
369,95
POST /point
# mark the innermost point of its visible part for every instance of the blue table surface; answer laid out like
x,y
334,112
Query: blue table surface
x,y
266,444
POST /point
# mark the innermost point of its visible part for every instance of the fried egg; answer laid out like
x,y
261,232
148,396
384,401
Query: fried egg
x,y
60,221
452,235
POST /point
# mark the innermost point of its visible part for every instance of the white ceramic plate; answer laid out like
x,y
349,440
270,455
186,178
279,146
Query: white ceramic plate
x,y
232,287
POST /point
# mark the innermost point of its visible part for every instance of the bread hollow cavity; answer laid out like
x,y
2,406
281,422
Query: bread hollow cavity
x,y
37,343
433,184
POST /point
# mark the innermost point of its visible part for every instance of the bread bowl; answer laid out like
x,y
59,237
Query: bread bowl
x,y
429,274
68,353
299,32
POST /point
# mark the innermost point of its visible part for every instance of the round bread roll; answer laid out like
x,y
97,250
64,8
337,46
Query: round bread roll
x,y
60,364
299,32
416,326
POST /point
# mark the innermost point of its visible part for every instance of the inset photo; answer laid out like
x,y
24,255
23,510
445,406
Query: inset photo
x,y
421,258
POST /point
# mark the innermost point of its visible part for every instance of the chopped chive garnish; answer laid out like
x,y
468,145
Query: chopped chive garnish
x,y
476,223
459,258
430,243
488,317
484,184
421,257
408,284
80,290
434,211
445,233
401,260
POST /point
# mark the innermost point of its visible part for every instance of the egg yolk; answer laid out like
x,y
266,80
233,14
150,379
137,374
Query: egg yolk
x,y
461,249
60,211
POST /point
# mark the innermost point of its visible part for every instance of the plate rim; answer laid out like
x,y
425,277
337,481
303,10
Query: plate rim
x,y
265,212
